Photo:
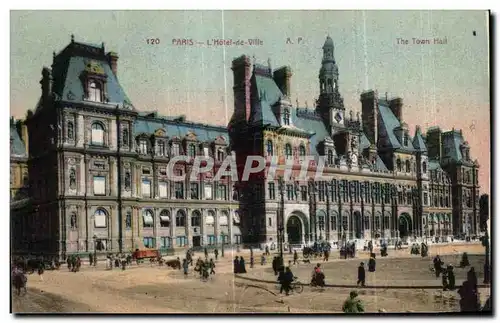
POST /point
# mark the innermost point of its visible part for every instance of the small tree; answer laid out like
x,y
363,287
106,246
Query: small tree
x,y
353,304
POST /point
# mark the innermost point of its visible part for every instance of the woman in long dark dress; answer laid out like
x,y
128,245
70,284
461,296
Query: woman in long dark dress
x,y
236,265
242,266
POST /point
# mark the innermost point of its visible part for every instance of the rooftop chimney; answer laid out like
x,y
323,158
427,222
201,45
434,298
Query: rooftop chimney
x,y
113,61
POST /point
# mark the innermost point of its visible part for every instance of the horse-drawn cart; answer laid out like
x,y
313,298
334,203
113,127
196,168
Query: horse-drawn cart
x,y
141,255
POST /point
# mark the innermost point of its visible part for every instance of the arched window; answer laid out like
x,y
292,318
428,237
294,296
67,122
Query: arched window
x,y
286,117
74,222
192,151
95,92
302,151
269,149
288,151
210,219
398,164
334,223
377,222
321,222
220,154
367,222
345,225
424,167
195,219
164,219
408,166
148,218
330,157
180,219
97,136
125,137
71,130
100,218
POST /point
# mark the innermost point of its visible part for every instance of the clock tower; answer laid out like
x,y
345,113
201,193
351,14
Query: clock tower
x,y
330,103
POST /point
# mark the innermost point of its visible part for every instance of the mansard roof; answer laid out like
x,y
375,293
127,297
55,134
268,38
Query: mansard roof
x,y
418,141
390,124
176,127
452,140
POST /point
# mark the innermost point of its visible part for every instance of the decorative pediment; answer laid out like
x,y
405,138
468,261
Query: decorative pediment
x,y
160,132
190,136
220,140
94,67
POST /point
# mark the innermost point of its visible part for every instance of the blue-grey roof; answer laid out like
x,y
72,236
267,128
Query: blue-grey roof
x,y
364,143
390,122
268,93
73,87
434,165
311,125
380,165
204,133
452,140
419,142
18,148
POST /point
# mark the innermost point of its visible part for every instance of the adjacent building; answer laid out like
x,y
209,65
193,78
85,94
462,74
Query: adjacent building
x,y
98,177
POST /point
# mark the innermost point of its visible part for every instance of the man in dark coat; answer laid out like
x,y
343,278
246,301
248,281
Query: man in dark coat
x,y
216,253
472,278
437,265
242,268
361,275
206,253
371,263
295,257
275,265
451,277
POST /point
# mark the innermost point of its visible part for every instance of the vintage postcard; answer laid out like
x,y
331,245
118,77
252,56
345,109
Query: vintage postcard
x,y
252,161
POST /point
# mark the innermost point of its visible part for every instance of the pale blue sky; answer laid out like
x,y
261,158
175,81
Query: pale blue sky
x,y
440,84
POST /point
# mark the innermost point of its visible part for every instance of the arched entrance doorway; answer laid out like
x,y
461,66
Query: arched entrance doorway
x,y
294,229
405,225
357,224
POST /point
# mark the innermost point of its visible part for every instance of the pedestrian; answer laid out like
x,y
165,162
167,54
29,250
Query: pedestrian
x,y
41,269
68,261
451,277
251,261
206,253
216,253
236,265
275,265
361,275
285,278
91,259
326,254
371,263
267,251
242,266
185,266
262,260
212,267
472,278
295,257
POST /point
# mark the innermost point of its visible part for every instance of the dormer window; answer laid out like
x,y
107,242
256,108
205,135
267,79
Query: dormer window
x,y
398,165
288,151
143,146
160,148
125,138
405,139
330,157
408,166
286,117
95,91
175,149
269,147
220,154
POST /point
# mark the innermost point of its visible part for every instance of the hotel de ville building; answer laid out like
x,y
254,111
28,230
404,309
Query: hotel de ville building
x,y
92,167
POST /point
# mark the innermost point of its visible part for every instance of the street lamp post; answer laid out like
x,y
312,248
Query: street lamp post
x,y
281,218
95,250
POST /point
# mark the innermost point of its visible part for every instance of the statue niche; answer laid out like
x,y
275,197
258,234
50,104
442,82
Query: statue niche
x,y
72,179
127,181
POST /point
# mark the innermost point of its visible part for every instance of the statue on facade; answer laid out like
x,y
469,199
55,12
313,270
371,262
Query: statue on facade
x,y
74,224
127,181
72,179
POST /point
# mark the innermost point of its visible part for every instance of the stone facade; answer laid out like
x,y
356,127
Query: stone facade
x,y
98,167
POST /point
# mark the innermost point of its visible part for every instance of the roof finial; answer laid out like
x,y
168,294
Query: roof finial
x,y
53,54
297,102
72,38
386,98
269,64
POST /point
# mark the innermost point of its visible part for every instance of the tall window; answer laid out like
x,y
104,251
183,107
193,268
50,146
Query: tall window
x,y
179,190
272,191
398,164
367,222
302,151
321,191
95,92
377,222
408,166
192,150
175,149
181,241
424,167
286,117
100,218
222,191
303,192
160,148
97,135
143,146
74,222
99,185
146,188
344,223
195,219
405,139
334,223
288,151
165,242
289,192
148,219
149,242
386,223
164,219
220,154
162,189
194,191
330,157
180,219
71,130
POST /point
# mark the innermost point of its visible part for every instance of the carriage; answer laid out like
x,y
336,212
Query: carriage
x,y
141,255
